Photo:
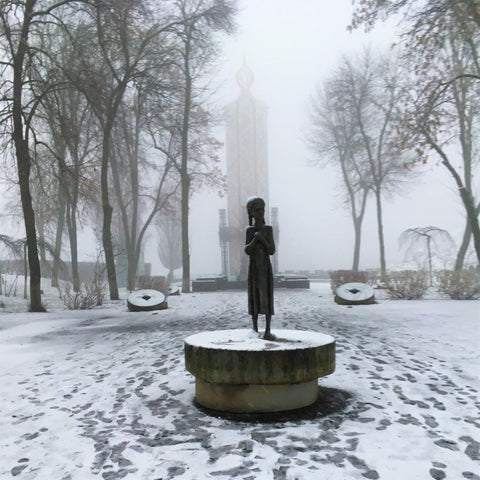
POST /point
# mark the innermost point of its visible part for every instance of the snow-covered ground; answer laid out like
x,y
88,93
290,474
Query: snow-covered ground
x,y
104,393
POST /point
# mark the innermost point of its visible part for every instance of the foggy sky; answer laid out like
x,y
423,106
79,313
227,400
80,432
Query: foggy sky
x,y
291,47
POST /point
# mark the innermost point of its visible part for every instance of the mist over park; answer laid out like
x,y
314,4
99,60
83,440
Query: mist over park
x,y
239,239
114,135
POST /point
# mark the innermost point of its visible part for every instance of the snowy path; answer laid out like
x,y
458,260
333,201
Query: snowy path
x,y
104,394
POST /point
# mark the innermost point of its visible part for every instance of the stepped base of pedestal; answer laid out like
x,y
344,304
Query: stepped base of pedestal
x,y
255,398
239,371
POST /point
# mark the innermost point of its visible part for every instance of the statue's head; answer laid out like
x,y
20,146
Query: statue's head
x,y
252,204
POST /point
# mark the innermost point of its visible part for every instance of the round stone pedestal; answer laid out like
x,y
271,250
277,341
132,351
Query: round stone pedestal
x,y
239,371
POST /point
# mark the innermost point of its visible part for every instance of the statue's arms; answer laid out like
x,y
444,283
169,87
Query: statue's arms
x,y
267,240
250,241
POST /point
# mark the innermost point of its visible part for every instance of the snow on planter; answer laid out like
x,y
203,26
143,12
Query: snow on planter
x,y
146,300
354,293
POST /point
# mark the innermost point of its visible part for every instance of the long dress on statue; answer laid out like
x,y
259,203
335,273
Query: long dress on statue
x,y
260,275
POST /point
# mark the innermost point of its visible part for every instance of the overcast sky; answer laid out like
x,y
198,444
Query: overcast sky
x,y
291,47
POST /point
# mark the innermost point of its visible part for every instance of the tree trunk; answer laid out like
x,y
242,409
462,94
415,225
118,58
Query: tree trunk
x,y
58,236
60,149
467,235
357,225
381,241
129,232
472,217
185,242
184,174
24,163
25,271
132,265
465,195
29,220
462,251
44,266
107,219
72,235
133,256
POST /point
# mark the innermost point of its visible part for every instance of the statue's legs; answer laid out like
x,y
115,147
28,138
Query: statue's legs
x,y
255,321
267,334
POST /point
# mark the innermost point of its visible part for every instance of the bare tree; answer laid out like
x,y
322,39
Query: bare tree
x,y
445,117
60,149
425,238
372,94
332,139
72,140
15,53
197,21
112,48
424,19
143,187
441,37
19,23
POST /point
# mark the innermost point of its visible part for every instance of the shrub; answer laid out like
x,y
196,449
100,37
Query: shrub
x,y
461,285
91,295
340,277
97,288
406,284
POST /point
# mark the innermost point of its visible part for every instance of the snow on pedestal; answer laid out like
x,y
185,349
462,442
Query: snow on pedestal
x,y
238,371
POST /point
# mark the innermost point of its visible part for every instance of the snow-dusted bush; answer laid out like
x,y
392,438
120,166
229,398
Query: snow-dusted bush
x,y
406,284
90,295
461,285
97,289
340,277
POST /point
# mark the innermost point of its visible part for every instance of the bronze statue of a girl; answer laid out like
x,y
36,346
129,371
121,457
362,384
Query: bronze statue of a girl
x,y
259,246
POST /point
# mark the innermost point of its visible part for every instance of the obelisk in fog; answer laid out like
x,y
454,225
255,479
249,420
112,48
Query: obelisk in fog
x,y
247,172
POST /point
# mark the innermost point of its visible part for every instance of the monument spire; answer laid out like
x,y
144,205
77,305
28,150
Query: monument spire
x,y
245,77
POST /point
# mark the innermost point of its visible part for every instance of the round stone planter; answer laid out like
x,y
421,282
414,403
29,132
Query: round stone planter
x,y
355,293
146,300
239,371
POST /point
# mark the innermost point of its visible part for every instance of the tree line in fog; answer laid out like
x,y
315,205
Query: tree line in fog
x,y
378,116
105,119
